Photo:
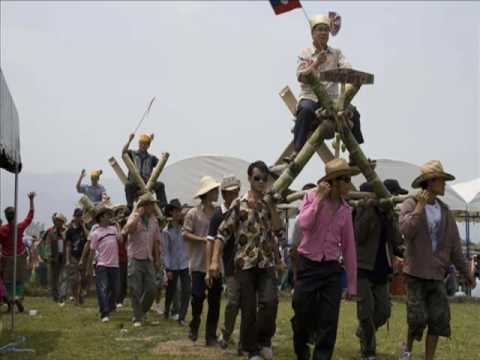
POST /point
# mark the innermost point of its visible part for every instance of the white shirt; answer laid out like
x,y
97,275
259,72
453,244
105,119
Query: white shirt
x,y
434,217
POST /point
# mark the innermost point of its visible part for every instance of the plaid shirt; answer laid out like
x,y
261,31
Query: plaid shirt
x,y
252,231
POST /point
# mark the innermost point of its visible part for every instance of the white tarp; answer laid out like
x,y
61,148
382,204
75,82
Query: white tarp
x,y
182,178
9,129
470,192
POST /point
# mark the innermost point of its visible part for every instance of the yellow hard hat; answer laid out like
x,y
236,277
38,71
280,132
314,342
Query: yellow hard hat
x,y
96,173
145,138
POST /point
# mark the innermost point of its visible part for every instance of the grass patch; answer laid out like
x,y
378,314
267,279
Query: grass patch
x,y
76,332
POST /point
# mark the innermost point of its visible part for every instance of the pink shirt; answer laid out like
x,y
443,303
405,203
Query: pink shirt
x,y
141,239
327,237
103,240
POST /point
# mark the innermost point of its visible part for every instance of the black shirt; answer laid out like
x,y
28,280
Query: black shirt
x,y
228,250
76,238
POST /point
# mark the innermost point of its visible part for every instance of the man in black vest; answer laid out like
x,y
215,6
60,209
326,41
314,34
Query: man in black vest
x,y
145,163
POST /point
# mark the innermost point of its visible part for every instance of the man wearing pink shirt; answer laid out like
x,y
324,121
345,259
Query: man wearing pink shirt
x,y
143,234
104,246
326,222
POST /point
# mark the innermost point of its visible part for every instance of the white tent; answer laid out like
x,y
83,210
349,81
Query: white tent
x,y
182,178
10,159
470,192
9,130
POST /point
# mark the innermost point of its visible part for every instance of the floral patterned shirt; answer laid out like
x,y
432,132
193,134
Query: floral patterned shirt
x,y
251,228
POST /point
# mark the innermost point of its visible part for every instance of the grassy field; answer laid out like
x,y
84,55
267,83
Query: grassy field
x,y
76,333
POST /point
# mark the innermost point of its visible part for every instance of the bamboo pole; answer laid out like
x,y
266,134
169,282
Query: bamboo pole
x,y
138,179
162,160
294,168
289,99
134,172
352,195
118,170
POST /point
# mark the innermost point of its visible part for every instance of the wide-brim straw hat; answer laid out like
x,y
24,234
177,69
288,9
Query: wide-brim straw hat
x,y
145,199
433,169
230,183
207,184
101,211
338,167
59,216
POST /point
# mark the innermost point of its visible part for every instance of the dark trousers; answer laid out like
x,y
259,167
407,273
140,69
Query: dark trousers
x,y
306,120
122,289
316,305
54,272
259,305
132,190
373,311
198,296
107,283
231,309
185,292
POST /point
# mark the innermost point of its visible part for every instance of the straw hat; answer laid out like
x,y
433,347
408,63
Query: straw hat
x,y
101,211
207,183
319,19
433,169
230,183
336,168
145,199
59,216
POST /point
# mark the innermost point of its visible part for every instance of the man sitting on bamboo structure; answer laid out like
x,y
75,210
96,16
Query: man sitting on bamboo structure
x,y
432,244
315,60
145,163
378,239
95,191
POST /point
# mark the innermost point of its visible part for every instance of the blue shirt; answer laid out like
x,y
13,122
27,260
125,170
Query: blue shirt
x,y
175,248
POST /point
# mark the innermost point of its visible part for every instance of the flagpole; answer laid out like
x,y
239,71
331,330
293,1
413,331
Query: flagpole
x,y
306,15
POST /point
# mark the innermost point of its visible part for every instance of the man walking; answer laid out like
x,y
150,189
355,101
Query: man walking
x,y
230,188
378,239
143,233
195,231
432,244
252,223
175,260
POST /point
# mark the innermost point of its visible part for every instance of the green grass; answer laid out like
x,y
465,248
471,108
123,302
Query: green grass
x,y
76,333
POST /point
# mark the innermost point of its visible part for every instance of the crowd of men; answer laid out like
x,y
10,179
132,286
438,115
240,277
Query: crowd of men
x,y
202,249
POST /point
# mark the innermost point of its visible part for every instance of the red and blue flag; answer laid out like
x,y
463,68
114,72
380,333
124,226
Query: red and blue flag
x,y
282,6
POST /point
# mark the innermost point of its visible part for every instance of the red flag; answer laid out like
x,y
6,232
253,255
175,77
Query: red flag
x,y
282,6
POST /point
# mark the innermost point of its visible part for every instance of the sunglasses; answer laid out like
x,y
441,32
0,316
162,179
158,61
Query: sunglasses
x,y
260,179
345,179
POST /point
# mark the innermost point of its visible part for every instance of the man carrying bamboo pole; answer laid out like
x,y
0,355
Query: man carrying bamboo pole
x,y
432,244
145,163
253,222
315,60
378,239
326,223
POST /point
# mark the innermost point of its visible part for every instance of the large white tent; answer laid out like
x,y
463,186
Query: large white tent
x,y
182,179
470,192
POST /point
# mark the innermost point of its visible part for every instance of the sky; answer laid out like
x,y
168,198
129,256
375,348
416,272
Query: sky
x,y
82,73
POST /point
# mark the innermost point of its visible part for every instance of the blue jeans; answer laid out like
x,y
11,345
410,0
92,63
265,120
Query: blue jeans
x,y
107,281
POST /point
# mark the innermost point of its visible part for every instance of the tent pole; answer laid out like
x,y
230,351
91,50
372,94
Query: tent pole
x,y
15,240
